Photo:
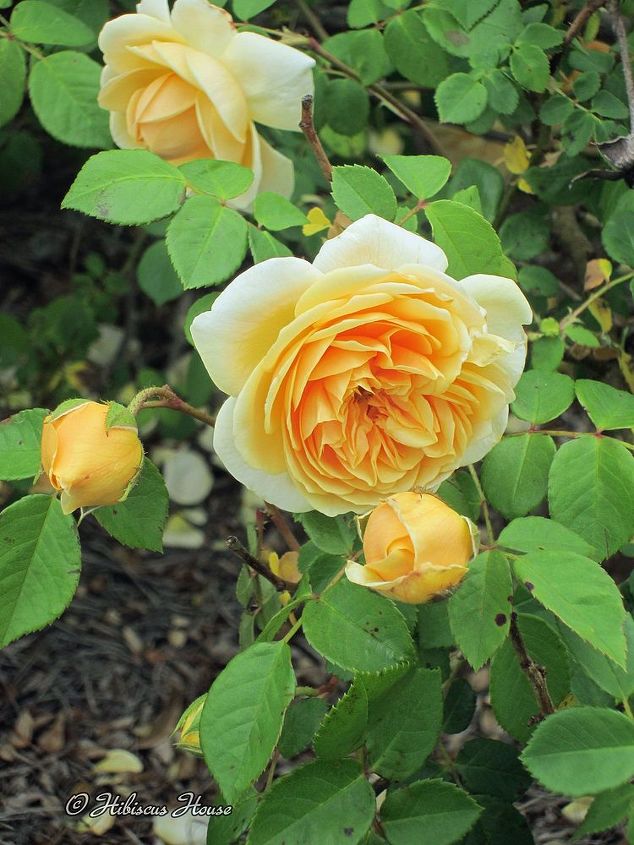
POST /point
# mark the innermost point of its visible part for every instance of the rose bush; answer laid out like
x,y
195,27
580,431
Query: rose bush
x,y
187,85
415,548
363,374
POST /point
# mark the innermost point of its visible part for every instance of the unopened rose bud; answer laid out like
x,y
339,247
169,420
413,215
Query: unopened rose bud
x,y
91,460
189,727
415,547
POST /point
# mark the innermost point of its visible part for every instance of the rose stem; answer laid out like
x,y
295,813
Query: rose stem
x,y
234,545
535,674
284,529
307,126
168,399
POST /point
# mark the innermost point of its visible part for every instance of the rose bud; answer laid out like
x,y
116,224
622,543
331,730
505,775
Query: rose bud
x,y
415,547
88,460
188,727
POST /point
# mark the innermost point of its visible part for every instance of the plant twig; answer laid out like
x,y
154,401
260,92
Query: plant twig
x,y
307,126
316,25
234,545
535,674
597,294
578,23
167,398
483,504
618,25
277,518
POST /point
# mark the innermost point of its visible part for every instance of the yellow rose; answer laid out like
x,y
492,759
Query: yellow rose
x,y
187,85
415,547
366,373
286,567
89,464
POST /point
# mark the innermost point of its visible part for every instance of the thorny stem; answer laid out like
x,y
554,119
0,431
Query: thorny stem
x,y
575,28
534,673
284,529
621,37
597,294
483,504
234,545
308,128
167,398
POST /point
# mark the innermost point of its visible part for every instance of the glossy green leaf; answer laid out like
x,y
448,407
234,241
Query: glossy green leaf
x,y
20,444
359,190
423,176
12,79
43,23
515,473
607,407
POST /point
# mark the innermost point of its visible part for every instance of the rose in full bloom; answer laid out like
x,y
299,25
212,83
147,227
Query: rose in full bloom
x,y
187,85
89,464
415,548
366,373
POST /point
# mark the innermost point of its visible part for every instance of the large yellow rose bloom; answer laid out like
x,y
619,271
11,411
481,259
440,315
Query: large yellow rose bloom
x,y
89,464
366,373
415,548
187,85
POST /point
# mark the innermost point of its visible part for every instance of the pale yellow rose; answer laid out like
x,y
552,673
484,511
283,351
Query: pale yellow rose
x,y
415,548
89,464
366,373
187,85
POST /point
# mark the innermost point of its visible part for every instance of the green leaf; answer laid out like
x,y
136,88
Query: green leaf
x,y
423,176
530,67
320,566
500,823
460,493
243,714
20,444
469,241
275,212
591,491
156,275
459,707
263,245
618,682
556,110
540,281
434,630
40,563
331,534
364,12
578,130
227,830
206,241
222,179
129,187
246,9
525,235
344,727
42,23
412,51
479,609
582,751
138,520
490,767
581,335
515,473
63,88
12,79
581,594
607,105
607,407
357,629
300,724
94,13
485,177
512,697
541,397
541,35
401,737
607,810
332,799
487,41
363,51
547,353
502,95
538,534
460,98
120,416
440,809
346,106
359,190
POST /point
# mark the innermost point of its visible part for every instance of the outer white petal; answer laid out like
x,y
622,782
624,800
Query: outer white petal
x,y
273,76
276,489
155,9
206,27
129,31
372,240
278,174
245,320
506,306
482,445
119,132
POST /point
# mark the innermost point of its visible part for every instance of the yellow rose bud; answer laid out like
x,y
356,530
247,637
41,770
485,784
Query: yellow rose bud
x,y
189,726
415,547
89,463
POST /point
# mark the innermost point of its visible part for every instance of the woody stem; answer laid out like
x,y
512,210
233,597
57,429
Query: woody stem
x,y
307,126
234,545
534,673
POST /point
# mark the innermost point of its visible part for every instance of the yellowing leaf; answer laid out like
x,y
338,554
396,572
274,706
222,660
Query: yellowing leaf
x,y
119,761
516,156
602,313
97,825
626,364
524,187
317,222
598,271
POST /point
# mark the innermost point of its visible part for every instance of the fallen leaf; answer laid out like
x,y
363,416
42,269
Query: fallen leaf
x,y
119,761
